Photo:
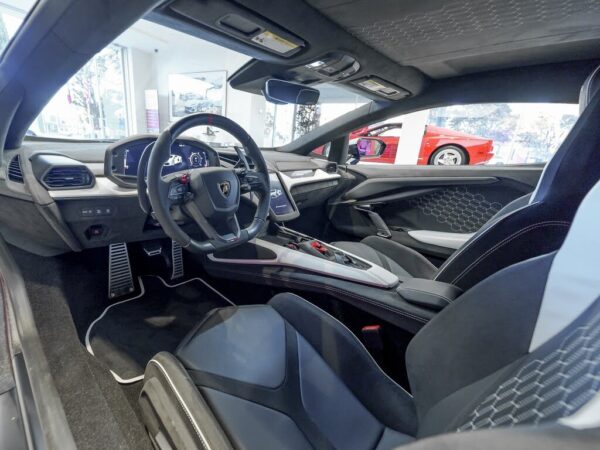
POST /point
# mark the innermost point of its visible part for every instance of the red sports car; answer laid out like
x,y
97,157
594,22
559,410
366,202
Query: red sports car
x,y
440,146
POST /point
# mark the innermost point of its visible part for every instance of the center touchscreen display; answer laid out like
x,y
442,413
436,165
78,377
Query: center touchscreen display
x,y
280,203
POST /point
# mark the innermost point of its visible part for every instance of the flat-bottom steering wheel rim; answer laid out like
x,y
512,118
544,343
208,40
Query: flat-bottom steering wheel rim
x,y
258,179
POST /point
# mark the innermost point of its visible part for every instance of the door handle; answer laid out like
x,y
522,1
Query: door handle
x,y
380,225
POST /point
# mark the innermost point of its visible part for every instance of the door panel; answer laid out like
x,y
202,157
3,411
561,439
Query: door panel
x,y
431,209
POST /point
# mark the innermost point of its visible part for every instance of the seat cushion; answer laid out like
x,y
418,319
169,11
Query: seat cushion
x,y
329,394
399,259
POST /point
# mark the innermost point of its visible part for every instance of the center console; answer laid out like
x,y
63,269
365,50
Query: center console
x,y
284,247
305,244
287,258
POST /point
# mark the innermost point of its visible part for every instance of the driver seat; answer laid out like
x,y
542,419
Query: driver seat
x,y
515,359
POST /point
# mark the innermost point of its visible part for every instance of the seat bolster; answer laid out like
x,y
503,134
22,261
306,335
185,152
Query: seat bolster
x,y
174,411
350,361
226,331
407,258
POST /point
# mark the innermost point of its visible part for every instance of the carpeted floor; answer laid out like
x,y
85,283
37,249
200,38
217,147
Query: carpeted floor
x,y
97,409
131,332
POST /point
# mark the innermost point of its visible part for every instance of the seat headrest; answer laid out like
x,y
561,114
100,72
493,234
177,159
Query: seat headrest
x,y
573,282
578,155
589,88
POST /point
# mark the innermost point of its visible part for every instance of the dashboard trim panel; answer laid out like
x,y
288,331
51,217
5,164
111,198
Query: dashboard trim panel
x,y
103,188
319,175
374,276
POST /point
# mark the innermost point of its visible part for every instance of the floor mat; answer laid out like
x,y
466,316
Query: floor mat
x,y
130,332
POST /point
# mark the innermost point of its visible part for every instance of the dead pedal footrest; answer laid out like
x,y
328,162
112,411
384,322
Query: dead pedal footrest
x,y
120,280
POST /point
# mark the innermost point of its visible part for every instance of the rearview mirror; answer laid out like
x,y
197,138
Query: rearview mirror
x,y
282,92
369,147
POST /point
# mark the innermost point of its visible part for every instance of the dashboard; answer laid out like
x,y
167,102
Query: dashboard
x,y
123,158
72,195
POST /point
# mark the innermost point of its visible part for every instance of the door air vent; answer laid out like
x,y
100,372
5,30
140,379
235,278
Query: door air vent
x,y
331,167
68,177
15,173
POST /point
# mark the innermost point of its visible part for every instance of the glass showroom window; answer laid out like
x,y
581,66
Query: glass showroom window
x,y
92,105
9,24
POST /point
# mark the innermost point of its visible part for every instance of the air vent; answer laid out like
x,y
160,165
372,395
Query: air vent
x,y
331,167
15,173
68,177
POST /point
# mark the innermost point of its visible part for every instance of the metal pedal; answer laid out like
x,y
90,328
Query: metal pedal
x,y
176,260
120,280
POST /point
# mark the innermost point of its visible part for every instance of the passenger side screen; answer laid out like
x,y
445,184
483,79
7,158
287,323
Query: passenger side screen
x,y
280,203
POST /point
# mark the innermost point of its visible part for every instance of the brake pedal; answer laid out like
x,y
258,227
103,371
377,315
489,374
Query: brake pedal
x,y
120,280
176,260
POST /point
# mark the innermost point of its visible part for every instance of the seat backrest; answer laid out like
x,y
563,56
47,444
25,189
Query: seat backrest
x,y
525,230
520,348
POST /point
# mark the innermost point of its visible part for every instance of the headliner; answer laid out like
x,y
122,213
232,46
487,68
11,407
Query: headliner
x,y
445,38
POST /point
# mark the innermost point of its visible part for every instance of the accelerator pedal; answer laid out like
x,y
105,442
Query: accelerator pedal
x,y
120,280
176,260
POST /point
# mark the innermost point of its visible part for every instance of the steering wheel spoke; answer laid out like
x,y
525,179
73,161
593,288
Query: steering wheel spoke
x,y
230,228
253,181
177,190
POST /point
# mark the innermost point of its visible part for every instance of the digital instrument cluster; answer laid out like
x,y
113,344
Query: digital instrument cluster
x,y
186,154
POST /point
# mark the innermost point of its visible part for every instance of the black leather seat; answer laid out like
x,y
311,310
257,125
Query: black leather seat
x,y
530,226
516,358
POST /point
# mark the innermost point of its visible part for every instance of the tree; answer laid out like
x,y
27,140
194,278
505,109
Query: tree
x,y
546,135
306,119
493,120
87,92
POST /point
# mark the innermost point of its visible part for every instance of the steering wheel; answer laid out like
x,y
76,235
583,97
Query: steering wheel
x,y
209,195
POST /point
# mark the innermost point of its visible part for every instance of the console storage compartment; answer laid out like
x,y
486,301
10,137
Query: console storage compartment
x,y
430,294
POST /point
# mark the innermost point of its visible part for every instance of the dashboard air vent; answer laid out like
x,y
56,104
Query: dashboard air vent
x,y
331,167
15,173
68,177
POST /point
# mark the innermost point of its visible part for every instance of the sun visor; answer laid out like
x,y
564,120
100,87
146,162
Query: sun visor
x,y
238,22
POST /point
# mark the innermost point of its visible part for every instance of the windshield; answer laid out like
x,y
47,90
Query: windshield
x,y
151,75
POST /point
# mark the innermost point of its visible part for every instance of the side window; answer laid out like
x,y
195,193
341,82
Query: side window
x,y
481,134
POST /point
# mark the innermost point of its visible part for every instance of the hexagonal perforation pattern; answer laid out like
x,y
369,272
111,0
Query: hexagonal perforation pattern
x,y
461,210
547,388
396,36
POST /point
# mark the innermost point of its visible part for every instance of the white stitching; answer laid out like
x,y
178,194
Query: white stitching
x,y
587,88
505,241
183,405
476,238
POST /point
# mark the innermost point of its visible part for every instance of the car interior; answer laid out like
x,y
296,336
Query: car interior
x,y
163,290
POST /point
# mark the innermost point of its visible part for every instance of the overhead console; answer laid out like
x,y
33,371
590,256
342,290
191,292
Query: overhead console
x,y
291,41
